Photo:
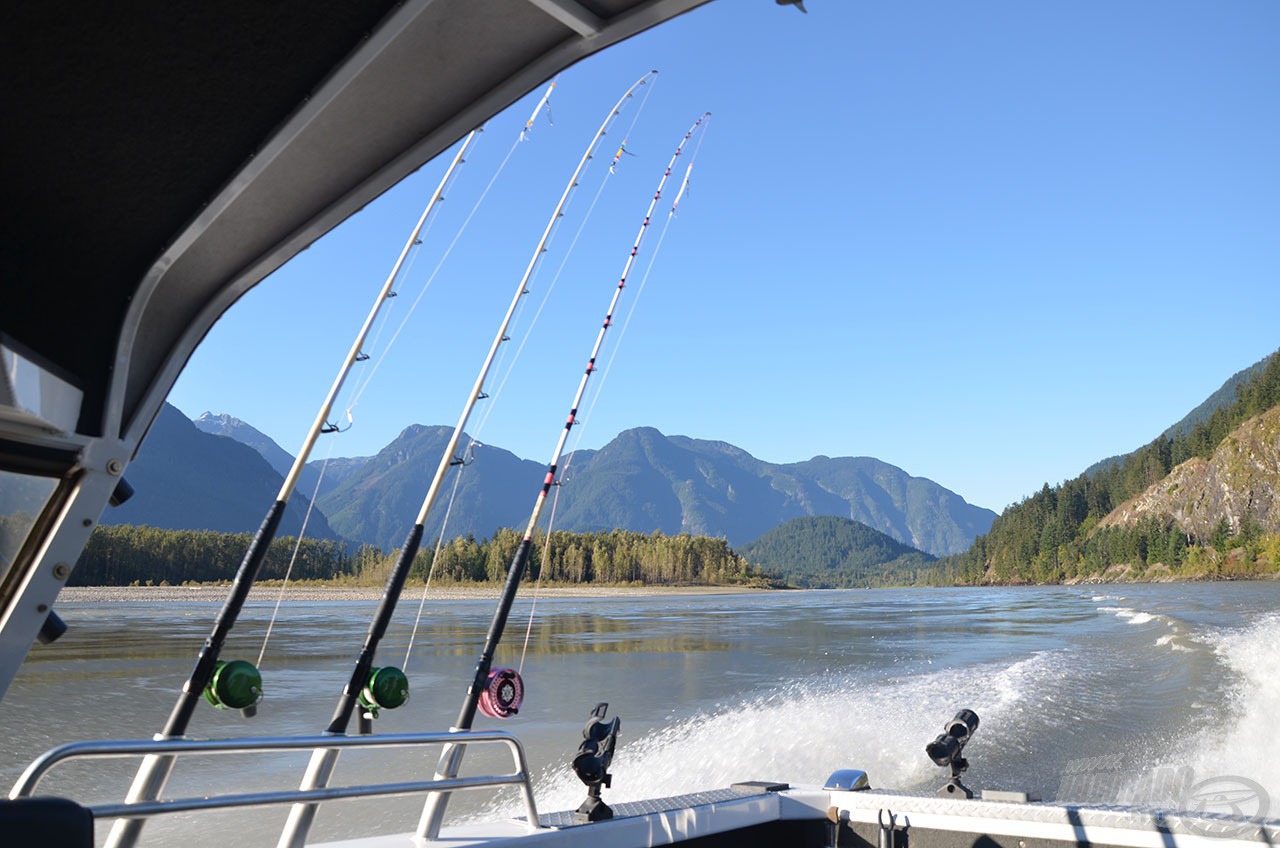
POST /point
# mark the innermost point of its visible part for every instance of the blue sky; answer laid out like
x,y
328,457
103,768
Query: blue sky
x,y
988,242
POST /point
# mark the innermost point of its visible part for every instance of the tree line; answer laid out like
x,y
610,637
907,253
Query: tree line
x,y
128,555
125,555
1052,535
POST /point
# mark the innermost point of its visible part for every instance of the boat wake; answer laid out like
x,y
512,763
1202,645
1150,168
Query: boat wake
x,y
1246,744
804,731
1130,615
1234,748
1175,640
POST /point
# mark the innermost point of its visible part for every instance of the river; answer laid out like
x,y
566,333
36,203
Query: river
x,y
1086,693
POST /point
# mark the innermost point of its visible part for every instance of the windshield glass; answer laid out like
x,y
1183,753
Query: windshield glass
x,y
22,499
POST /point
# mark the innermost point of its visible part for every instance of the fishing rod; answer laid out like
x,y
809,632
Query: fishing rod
x,y
238,684
387,688
499,693
544,103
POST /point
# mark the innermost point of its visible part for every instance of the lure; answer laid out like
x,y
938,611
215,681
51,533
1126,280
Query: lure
x,y
544,103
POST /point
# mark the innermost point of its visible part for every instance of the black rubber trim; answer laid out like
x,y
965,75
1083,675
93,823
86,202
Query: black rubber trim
x,y
38,460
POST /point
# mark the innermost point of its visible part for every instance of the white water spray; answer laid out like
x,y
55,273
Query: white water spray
x,y
805,730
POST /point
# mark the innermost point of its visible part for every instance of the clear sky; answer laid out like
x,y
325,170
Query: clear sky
x,y
989,242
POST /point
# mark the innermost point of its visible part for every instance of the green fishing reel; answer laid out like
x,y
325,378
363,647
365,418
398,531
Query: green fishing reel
x,y
235,685
388,688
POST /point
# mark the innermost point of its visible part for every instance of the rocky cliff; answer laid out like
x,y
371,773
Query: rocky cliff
x,y
1241,478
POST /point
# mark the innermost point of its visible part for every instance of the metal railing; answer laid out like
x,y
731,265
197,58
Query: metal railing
x,y
41,766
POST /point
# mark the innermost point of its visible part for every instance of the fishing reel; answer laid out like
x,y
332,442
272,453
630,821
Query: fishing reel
x,y
947,750
503,693
591,765
235,685
386,689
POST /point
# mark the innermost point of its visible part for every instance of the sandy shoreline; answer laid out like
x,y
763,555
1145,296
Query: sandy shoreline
x,y
208,594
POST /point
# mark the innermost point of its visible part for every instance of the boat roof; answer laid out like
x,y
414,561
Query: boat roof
x,y
161,160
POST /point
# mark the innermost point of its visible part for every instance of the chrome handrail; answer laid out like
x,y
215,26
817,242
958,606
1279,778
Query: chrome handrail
x,y
40,767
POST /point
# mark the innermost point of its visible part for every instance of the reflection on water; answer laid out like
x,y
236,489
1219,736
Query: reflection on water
x,y
711,689
144,634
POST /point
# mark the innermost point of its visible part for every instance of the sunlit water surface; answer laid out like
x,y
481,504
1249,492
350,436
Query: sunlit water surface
x,y
1122,682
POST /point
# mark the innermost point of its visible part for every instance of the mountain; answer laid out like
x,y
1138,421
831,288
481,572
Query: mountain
x,y
378,504
186,479
1240,482
642,481
337,470
1225,394
831,552
223,424
646,481
1163,505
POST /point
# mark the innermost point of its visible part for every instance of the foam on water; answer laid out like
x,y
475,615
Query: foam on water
x,y
1247,744
1174,641
807,729
1129,614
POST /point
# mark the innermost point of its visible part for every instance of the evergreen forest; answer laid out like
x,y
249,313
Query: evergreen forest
x,y
1053,535
127,555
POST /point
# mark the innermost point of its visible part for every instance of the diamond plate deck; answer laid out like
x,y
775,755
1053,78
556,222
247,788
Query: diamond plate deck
x,y
1084,815
632,809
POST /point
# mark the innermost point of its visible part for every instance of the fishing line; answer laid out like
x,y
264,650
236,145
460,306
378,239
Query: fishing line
x,y
544,102
294,556
468,457
556,499
503,367
500,692
435,557
545,297
622,148
559,270
515,358
564,473
238,684
622,333
430,279
599,389
537,586
368,378
474,442
386,316
364,384
493,399
369,688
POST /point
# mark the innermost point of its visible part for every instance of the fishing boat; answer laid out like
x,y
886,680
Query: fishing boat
x,y
161,224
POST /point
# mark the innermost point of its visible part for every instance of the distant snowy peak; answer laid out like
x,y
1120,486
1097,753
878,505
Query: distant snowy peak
x,y
224,424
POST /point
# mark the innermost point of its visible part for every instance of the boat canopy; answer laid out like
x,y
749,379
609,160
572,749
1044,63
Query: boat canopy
x,y
161,160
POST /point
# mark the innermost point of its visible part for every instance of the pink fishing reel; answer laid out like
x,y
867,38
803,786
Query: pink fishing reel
x,y
503,693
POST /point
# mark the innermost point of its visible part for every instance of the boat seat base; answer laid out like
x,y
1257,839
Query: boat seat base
x,y
47,822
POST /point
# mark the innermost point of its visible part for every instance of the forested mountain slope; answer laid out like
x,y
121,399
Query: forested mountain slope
x,y
1063,532
833,552
185,479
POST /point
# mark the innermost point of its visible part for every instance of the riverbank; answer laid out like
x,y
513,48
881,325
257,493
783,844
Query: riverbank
x,y
212,593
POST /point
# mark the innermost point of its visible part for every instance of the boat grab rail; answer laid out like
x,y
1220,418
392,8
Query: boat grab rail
x,y
40,767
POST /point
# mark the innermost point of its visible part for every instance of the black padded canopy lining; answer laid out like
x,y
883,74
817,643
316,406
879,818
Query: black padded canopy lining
x,y
123,119
160,159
